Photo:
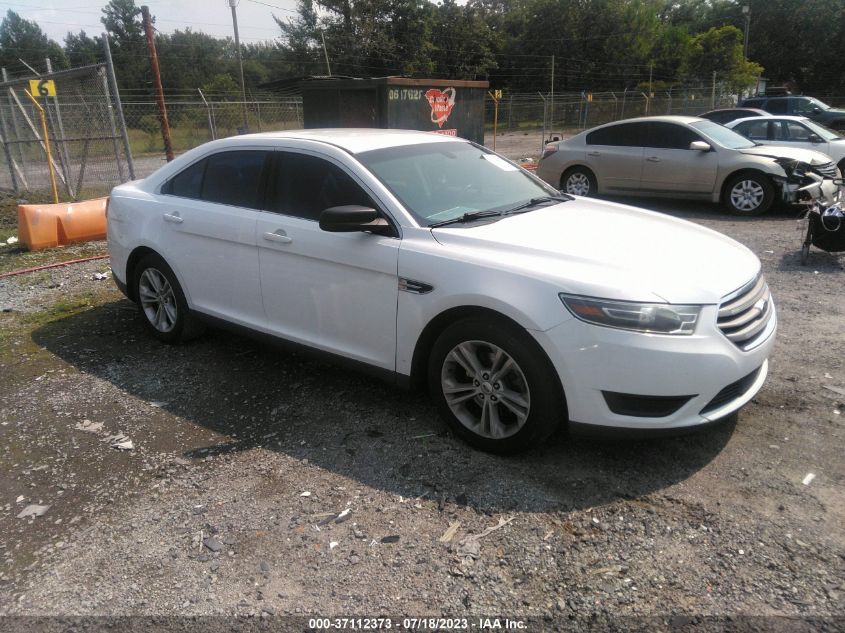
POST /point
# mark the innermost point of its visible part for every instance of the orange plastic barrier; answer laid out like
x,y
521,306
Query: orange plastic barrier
x,y
48,225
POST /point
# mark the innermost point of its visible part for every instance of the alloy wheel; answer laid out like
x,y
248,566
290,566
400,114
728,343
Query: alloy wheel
x,y
157,300
485,389
578,184
747,195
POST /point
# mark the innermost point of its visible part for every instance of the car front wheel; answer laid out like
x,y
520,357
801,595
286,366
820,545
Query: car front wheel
x,y
494,386
579,181
749,194
161,301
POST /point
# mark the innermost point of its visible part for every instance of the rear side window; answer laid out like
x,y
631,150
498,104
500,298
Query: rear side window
x,y
753,103
777,106
755,130
187,183
226,178
234,178
625,135
669,136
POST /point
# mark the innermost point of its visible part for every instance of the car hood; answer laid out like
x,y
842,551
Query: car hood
x,y
795,153
609,250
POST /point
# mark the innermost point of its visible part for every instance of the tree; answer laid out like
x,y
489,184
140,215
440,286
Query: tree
x,y
719,50
82,50
24,39
122,20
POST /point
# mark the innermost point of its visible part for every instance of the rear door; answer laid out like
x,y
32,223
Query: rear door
x,y
615,154
333,291
670,165
208,215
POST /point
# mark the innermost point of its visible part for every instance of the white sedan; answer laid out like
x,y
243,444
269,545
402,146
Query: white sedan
x,y
431,260
793,131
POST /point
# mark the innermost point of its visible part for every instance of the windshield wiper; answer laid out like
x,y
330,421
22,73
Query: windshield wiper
x,y
534,202
467,217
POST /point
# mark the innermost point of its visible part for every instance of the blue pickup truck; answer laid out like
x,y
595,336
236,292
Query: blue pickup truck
x,y
799,105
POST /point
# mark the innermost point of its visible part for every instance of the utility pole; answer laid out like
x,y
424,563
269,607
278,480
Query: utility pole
x,y
162,109
326,53
233,4
746,11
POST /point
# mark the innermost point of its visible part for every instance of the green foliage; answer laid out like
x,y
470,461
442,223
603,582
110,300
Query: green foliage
x,y
82,50
24,39
719,50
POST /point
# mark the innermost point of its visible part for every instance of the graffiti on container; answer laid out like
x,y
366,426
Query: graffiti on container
x,y
441,103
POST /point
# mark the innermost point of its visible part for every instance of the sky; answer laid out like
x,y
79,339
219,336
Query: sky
x,y
255,19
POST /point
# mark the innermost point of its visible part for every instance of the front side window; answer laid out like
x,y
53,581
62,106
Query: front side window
x,y
797,132
303,186
722,136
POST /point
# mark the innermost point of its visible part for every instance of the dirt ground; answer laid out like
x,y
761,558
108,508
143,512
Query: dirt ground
x,y
265,484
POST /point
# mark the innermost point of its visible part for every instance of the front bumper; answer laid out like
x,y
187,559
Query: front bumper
x,y
715,377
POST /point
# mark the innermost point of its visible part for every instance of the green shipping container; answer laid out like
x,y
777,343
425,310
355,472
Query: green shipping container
x,y
455,108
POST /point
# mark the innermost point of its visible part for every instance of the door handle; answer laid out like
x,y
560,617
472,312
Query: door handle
x,y
653,159
176,219
278,236
593,153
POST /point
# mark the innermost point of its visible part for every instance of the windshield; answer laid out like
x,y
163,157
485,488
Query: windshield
x,y
819,104
722,135
825,133
438,182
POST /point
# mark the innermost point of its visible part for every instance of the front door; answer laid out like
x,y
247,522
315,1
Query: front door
x,y
670,165
333,291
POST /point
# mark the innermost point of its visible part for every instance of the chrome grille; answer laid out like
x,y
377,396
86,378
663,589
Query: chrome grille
x,y
744,314
828,170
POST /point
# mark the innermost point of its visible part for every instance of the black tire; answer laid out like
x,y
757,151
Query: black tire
x,y
163,307
579,181
841,167
749,194
531,374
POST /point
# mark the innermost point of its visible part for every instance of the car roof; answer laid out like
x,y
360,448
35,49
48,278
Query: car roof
x,y
353,140
769,117
666,118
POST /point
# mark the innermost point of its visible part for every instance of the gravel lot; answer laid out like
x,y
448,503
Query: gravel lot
x,y
264,483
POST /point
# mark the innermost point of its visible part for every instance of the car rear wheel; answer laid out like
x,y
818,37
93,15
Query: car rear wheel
x,y
161,302
579,181
494,386
749,194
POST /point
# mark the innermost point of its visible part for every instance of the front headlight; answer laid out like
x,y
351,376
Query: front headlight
x,y
658,318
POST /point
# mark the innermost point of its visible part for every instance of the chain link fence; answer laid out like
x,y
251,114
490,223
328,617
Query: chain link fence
x,y
568,113
194,122
83,133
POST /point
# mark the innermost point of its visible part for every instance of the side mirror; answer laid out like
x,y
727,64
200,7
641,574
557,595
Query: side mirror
x,y
351,218
814,138
816,110
700,146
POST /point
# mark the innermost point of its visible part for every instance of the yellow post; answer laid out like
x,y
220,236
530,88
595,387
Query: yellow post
x,y
46,146
495,96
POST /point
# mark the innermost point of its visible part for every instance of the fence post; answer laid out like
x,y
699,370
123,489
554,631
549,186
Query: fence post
x,y
543,139
59,139
159,91
647,102
15,127
113,127
208,112
669,107
116,93
6,150
624,96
